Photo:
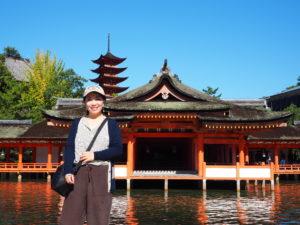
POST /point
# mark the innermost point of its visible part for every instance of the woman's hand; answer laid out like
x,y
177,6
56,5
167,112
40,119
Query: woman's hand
x,y
70,179
87,157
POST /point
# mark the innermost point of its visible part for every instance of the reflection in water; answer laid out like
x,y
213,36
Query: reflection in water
x,y
35,203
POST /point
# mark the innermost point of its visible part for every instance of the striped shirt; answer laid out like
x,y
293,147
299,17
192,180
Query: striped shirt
x,y
84,136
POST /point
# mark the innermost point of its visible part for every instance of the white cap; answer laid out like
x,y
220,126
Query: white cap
x,y
94,88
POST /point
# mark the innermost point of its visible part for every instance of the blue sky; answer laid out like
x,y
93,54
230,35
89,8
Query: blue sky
x,y
247,48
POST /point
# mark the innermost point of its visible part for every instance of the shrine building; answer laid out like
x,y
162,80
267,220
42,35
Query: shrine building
x,y
171,132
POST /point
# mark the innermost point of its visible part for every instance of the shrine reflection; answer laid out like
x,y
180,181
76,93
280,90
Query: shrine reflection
x,y
254,206
36,203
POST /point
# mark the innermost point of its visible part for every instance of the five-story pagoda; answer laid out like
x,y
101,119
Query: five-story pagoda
x,y
108,73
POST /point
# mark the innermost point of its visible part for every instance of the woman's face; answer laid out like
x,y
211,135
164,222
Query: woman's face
x,y
94,103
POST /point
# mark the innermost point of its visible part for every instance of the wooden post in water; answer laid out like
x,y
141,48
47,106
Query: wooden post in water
x,y
204,184
277,178
272,185
48,178
238,185
263,185
166,184
19,177
247,184
128,184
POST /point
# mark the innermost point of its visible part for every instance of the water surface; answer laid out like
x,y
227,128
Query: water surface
x,y
35,203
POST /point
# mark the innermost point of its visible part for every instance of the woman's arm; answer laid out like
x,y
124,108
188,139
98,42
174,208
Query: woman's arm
x,y
115,147
69,153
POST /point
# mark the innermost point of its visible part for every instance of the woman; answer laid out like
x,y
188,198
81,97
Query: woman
x,y
91,197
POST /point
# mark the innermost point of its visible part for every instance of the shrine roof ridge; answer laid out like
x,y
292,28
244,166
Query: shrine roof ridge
x,y
15,122
281,133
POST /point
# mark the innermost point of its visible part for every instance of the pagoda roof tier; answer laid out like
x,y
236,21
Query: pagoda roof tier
x,y
281,133
108,79
109,59
108,70
109,89
164,106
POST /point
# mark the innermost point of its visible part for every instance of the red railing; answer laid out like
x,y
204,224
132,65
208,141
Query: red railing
x,y
28,167
288,169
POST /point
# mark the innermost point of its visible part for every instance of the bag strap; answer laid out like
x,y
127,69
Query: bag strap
x,y
96,134
92,142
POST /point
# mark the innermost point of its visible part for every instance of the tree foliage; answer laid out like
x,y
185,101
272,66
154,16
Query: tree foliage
x,y
10,93
211,91
11,52
296,113
47,79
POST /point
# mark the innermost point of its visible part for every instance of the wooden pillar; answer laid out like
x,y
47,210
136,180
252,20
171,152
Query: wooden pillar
x,y
200,145
238,185
263,185
128,184
20,157
246,153
49,161
204,184
276,157
48,178
130,155
19,177
242,151
166,185
272,185
238,182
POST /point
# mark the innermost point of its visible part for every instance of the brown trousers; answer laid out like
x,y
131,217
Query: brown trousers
x,y
90,200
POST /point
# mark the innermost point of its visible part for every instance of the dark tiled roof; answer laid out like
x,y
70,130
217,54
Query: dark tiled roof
x,y
43,131
256,114
248,102
197,102
65,114
281,133
68,103
11,129
155,82
165,106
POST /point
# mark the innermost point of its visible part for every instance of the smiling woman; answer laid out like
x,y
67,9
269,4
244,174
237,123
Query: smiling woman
x,y
91,196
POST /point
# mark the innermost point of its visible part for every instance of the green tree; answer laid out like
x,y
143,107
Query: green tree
x,y
11,52
47,80
211,91
10,93
296,113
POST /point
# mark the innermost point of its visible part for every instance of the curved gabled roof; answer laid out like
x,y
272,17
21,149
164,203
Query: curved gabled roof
x,y
155,83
